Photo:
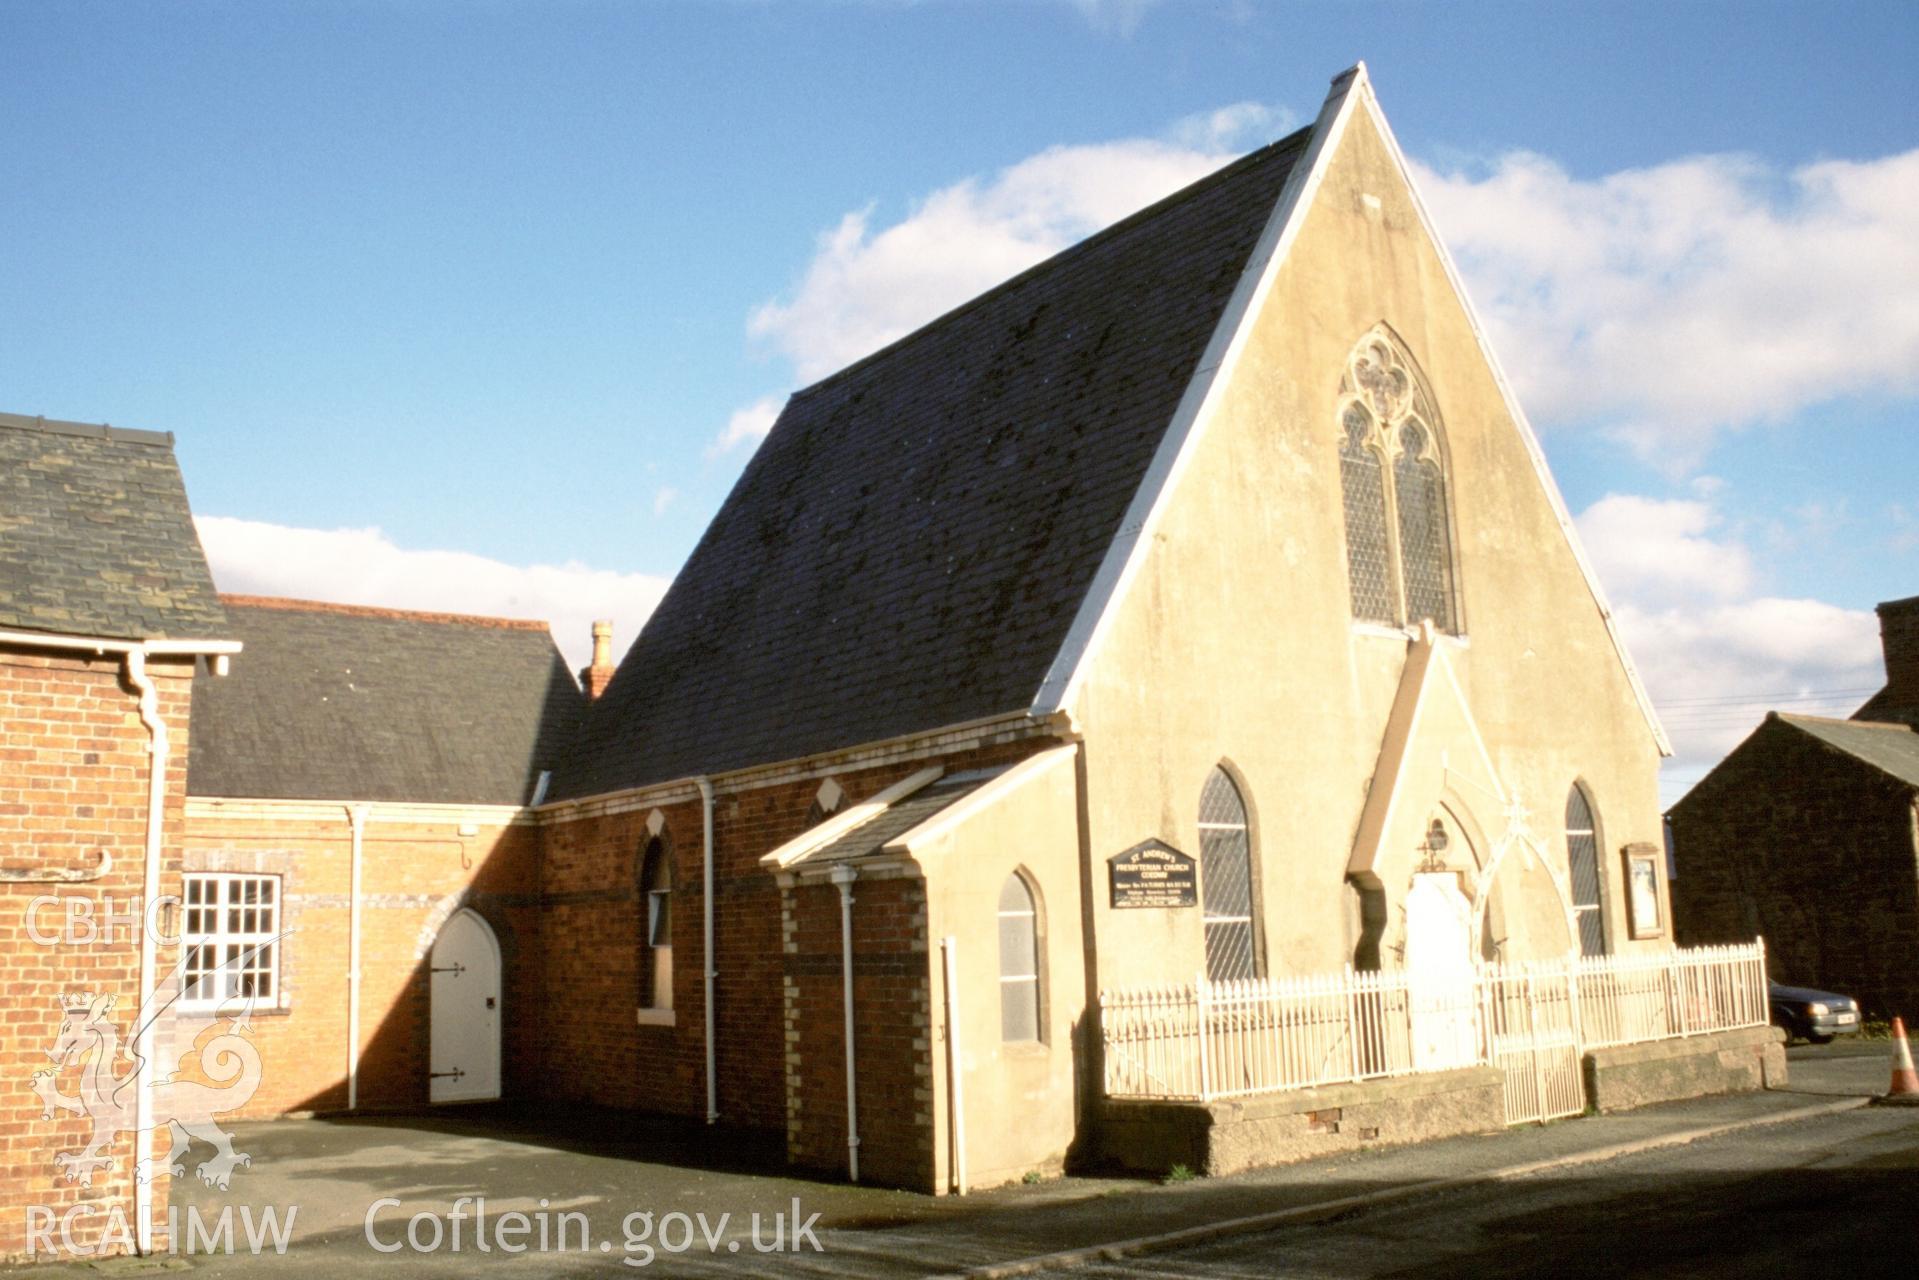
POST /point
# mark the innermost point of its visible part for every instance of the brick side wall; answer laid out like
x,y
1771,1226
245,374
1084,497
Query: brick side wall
x,y
595,1050
1796,842
73,781
415,875
892,1040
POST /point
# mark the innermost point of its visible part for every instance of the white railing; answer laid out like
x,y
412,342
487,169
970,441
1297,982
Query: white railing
x,y
1209,1040
1664,995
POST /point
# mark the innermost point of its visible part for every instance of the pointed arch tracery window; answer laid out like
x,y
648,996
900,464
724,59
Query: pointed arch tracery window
x,y
1392,474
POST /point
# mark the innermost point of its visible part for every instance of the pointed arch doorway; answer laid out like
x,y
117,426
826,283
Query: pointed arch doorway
x,y
464,1036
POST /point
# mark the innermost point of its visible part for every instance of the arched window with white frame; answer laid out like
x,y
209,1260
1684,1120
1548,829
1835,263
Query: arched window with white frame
x,y
1393,487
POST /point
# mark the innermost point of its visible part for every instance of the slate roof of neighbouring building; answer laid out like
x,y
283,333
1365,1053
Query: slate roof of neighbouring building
x,y
336,702
1893,749
95,535
909,546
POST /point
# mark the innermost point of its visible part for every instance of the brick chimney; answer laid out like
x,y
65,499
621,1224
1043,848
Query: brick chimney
x,y
595,678
1899,634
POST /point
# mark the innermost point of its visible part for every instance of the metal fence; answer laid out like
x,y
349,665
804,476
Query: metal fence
x,y
1209,1040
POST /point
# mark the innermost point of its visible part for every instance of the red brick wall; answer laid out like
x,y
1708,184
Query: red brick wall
x,y
414,875
1812,850
73,781
597,1053
892,1011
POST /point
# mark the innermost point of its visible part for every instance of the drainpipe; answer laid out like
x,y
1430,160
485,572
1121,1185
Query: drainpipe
x,y
706,937
356,815
955,1063
136,670
844,875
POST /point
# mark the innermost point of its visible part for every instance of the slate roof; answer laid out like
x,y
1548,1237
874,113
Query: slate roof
x,y
336,702
900,817
909,546
95,535
1893,749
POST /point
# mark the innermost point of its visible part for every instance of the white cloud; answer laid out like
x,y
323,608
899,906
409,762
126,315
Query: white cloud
x,y
364,566
750,423
1668,304
1714,654
663,498
870,282
1655,551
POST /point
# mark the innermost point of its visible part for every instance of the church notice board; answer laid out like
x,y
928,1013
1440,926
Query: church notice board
x,y
1153,874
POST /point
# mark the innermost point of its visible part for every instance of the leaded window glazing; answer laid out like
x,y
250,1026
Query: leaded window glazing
x,y
1393,485
1226,880
1582,857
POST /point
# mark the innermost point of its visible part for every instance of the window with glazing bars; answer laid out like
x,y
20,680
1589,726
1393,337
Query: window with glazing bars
x,y
1582,858
1018,961
1399,555
1226,881
230,940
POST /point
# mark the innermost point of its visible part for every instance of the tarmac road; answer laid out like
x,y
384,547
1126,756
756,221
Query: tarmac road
x,y
1833,1195
1801,1177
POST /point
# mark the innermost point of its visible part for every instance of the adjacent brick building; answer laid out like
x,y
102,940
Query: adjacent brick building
x,y
105,608
1808,834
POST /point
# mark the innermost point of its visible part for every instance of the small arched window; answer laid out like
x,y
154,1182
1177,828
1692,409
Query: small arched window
x,y
1582,864
1226,880
656,924
1018,961
1392,475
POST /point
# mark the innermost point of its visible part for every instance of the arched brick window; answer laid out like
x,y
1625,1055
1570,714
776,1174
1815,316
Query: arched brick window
x,y
656,926
1226,880
1392,475
1582,864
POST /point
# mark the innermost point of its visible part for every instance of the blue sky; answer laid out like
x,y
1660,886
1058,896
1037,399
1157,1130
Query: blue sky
x,y
455,305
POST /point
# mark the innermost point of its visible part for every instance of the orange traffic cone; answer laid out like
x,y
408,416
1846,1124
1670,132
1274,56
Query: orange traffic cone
x,y
1905,1081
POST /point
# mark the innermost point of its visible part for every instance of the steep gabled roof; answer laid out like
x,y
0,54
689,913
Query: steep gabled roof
x,y
95,536
911,543
336,702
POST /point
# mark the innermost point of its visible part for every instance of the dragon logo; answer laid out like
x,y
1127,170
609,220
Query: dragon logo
x,y
89,1040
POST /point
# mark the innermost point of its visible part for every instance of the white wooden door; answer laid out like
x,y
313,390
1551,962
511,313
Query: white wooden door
x,y
1440,974
465,1035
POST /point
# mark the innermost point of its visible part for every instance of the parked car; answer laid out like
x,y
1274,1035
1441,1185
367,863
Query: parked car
x,y
1812,1015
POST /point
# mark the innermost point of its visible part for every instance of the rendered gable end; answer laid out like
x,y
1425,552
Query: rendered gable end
x,y
1229,638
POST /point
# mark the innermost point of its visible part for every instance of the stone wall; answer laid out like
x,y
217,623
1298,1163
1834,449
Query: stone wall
x,y
1219,1138
1637,1075
1812,850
